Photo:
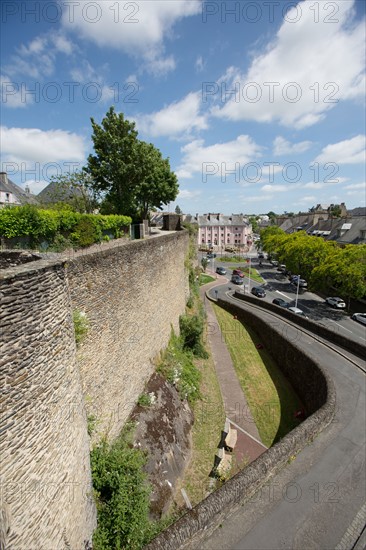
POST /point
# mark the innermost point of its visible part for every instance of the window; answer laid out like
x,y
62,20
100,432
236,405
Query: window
x,y
7,197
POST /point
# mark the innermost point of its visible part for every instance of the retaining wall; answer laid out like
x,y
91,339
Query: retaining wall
x,y
317,392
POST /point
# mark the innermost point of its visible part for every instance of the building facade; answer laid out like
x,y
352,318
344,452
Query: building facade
x,y
217,230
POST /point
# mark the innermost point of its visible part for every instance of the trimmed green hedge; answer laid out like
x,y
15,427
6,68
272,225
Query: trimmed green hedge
x,y
79,230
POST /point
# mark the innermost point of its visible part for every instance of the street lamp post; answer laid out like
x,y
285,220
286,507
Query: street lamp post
x,y
297,289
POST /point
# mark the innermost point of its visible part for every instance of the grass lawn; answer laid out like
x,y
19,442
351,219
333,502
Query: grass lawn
x,y
254,275
271,398
204,279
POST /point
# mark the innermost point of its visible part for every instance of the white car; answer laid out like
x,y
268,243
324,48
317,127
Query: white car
x,y
360,317
334,301
296,311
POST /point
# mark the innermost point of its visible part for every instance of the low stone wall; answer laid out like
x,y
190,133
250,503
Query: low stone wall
x,y
317,393
331,334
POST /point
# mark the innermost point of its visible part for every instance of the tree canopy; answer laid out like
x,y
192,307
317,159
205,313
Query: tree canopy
x,y
325,264
130,175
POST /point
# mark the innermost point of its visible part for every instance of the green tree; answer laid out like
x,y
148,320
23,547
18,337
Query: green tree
x,y
74,190
335,211
254,223
130,174
178,210
204,263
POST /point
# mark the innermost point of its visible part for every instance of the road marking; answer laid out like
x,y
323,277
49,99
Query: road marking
x,y
246,433
285,295
331,320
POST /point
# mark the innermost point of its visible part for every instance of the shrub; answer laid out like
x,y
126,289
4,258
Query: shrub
x,y
122,495
191,329
81,325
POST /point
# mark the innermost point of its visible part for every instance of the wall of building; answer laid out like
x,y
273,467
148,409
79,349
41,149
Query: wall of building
x,y
132,296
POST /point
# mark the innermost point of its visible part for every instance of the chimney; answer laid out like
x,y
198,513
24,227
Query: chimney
x,y
27,190
4,177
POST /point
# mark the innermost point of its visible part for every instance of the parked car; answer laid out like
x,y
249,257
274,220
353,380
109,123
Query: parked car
x,y
237,280
302,283
281,268
280,302
211,255
359,317
297,311
258,291
274,263
238,272
261,256
221,270
336,302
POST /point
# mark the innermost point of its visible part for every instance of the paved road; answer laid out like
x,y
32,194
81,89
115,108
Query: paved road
x,y
313,502
312,305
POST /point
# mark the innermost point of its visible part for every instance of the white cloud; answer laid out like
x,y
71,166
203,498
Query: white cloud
x,y
175,119
37,59
349,151
322,184
13,94
257,198
356,186
22,145
219,159
307,69
278,188
186,194
137,28
283,147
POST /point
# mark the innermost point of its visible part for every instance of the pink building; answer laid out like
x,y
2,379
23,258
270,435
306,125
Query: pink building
x,y
218,230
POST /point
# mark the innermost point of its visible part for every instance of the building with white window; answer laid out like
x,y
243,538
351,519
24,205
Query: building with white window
x,y
221,231
13,195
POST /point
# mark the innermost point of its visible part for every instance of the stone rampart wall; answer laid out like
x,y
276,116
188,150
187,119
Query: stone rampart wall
x,y
132,295
44,446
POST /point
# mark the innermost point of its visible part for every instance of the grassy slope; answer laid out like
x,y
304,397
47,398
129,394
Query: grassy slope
x,y
271,398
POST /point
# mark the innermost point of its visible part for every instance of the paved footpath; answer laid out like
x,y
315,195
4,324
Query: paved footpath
x,y
249,445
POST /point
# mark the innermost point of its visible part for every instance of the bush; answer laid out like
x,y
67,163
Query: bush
x,y
178,368
122,495
47,225
191,329
81,325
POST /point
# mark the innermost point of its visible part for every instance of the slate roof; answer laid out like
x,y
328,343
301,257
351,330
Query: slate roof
x,y
56,192
220,219
8,186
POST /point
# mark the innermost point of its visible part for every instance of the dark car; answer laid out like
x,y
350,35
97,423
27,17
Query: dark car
x,y
258,291
211,255
261,256
221,270
238,272
280,302
237,280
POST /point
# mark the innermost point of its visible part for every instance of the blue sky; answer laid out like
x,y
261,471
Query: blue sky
x,y
259,105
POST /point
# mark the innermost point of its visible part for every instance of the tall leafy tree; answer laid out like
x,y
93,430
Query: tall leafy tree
x,y
74,189
129,174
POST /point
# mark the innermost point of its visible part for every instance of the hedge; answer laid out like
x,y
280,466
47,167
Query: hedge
x,y
49,225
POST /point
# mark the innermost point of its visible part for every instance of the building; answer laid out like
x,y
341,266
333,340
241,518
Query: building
x,y
218,230
13,195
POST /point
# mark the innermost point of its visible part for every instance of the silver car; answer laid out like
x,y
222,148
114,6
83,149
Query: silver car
x,y
360,317
336,302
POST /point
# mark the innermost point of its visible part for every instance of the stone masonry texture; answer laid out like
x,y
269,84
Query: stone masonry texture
x,y
132,297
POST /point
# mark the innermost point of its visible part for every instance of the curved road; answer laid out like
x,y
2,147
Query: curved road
x,y
318,500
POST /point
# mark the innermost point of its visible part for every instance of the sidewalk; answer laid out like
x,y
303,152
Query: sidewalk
x,y
249,445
